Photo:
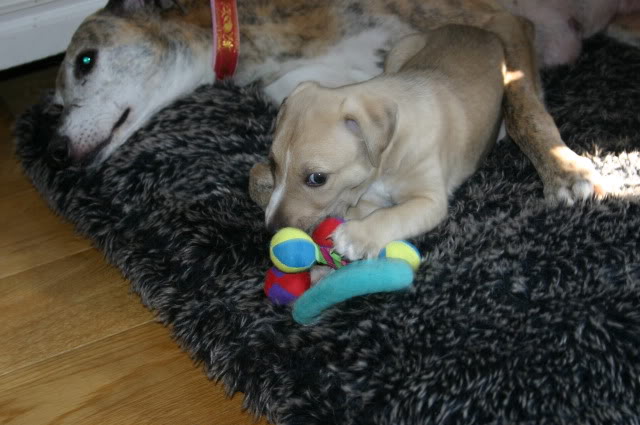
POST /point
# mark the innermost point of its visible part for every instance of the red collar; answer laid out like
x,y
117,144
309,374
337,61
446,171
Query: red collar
x,y
226,37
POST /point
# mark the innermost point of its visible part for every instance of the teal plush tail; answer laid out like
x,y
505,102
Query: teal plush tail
x,y
358,278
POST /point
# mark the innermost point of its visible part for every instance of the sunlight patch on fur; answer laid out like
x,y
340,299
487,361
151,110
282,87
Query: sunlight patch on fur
x,y
510,76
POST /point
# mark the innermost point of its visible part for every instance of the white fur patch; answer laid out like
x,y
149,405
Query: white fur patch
x,y
343,244
351,60
378,194
502,133
278,192
163,88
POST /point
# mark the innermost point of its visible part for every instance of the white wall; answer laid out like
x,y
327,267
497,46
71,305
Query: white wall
x,y
34,29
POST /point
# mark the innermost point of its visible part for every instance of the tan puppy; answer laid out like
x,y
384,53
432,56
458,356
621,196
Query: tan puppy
x,y
388,152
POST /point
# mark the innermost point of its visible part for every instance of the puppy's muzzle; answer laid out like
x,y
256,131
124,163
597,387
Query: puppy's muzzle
x,y
276,222
58,155
305,223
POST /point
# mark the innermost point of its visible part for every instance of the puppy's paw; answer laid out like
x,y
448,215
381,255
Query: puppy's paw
x,y
318,272
575,180
354,240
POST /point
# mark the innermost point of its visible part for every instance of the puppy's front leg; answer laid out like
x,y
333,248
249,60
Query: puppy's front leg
x,y
365,238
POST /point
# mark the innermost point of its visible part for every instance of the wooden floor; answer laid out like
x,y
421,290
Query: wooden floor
x,y
76,347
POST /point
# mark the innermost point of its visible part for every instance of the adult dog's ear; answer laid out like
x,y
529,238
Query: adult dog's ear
x,y
373,120
125,7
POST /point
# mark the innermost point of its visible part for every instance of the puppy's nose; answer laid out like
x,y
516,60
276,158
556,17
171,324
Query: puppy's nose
x,y
276,223
273,226
58,152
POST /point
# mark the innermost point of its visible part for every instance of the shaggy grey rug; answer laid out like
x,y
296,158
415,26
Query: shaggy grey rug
x,y
522,313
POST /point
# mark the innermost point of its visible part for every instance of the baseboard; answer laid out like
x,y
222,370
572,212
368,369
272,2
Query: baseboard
x,y
35,29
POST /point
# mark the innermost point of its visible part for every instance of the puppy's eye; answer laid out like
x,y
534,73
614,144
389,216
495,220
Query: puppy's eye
x,y
316,179
85,62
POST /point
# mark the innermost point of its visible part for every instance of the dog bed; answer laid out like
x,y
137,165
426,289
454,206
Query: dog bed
x,y
523,312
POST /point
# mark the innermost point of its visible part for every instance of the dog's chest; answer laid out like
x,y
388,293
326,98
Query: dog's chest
x,y
378,194
356,57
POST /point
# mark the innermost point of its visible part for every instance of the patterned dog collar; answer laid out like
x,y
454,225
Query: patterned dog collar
x,y
226,37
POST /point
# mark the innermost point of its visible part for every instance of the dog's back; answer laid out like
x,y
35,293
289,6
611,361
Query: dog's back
x,y
465,65
459,52
468,59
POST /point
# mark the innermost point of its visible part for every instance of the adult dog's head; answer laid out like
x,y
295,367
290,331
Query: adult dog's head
x,y
123,64
327,146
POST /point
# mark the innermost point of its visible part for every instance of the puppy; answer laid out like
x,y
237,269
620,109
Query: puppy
x,y
387,153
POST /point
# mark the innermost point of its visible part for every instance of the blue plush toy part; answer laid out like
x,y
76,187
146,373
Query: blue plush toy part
x,y
358,278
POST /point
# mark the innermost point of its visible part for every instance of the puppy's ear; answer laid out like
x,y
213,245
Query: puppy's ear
x,y
281,111
305,85
373,120
261,184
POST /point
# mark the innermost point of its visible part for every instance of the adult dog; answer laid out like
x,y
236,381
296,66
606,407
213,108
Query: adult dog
x,y
130,59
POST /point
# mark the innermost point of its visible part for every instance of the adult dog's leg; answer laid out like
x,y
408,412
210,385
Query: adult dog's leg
x,y
566,176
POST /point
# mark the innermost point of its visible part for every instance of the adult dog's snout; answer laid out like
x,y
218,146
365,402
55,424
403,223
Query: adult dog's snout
x,y
58,155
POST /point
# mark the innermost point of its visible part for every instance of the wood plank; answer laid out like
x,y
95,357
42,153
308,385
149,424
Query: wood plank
x,y
62,305
31,235
13,181
136,377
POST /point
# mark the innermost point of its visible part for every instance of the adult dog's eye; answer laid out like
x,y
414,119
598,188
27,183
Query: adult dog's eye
x,y
85,62
316,179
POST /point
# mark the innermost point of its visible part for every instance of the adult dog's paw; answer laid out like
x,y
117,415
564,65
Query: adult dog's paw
x,y
575,179
354,241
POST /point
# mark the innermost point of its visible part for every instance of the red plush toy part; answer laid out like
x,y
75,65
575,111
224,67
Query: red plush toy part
x,y
322,237
285,288
322,234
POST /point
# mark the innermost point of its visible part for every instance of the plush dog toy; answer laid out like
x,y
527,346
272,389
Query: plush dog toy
x,y
293,252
